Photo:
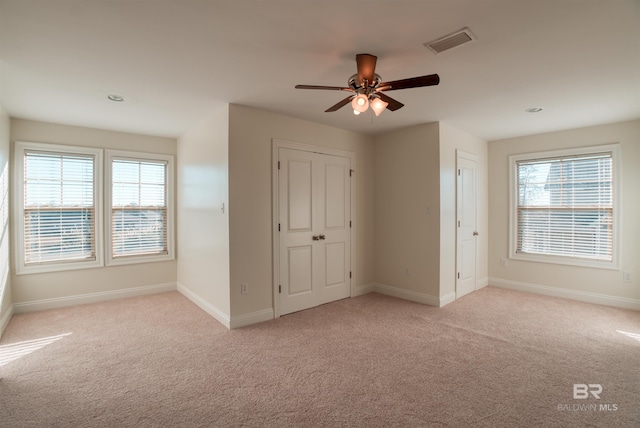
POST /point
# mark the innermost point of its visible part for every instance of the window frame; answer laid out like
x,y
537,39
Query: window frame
x,y
112,155
20,148
614,149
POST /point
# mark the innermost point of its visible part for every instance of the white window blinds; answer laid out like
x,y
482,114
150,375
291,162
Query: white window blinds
x,y
565,206
138,208
59,207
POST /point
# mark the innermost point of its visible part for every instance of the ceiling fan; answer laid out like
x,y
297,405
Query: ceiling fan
x,y
367,88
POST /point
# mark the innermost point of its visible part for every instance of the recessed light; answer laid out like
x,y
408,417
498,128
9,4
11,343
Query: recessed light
x,y
115,98
533,109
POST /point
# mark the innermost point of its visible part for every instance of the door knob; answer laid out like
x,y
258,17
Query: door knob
x,y
475,233
322,237
315,237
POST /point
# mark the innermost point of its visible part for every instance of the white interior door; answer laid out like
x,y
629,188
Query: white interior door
x,y
314,205
467,207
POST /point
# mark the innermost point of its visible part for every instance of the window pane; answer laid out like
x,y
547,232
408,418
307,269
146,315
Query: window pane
x,y
59,235
152,195
138,232
126,194
152,173
59,218
139,208
125,171
565,207
42,193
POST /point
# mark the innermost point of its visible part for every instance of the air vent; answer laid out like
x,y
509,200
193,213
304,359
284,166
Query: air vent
x,y
451,41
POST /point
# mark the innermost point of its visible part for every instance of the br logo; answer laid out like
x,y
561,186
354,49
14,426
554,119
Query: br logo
x,y
581,391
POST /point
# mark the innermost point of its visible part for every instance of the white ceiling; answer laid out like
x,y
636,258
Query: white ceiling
x,y
176,60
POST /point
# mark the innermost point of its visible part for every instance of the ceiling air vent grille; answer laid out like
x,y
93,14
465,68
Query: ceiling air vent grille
x,y
451,41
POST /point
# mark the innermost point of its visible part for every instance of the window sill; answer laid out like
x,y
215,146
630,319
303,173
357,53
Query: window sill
x,y
566,261
130,260
56,267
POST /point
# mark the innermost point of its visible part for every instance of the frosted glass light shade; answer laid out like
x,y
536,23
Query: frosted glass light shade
x,y
360,103
378,106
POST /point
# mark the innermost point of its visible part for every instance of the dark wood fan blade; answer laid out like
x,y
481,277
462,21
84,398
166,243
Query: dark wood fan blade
x,y
393,104
366,68
329,88
339,105
413,82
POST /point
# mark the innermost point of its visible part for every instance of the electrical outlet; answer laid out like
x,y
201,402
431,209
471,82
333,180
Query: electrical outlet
x,y
504,263
626,276
244,288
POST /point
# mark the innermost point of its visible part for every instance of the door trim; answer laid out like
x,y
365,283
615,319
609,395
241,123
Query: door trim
x,y
276,145
460,154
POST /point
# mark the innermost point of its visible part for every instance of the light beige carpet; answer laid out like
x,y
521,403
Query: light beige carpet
x,y
494,358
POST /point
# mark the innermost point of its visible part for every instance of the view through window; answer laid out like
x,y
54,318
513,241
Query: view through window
x,y
59,207
138,208
565,206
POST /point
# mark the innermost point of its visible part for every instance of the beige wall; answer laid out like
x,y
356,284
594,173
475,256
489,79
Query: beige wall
x,y
6,300
407,209
415,209
571,278
60,285
250,199
203,187
452,140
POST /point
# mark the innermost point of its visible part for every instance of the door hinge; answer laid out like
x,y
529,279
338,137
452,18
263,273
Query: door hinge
x,y
279,288
351,172
278,164
278,227
458,275
459,172
349,223
349,274
458,223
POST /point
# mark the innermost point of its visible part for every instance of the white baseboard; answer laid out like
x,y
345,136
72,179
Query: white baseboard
x,y
447,298
252,318
583,296
220,316
483,282
4,320
359,290
81,299
401,293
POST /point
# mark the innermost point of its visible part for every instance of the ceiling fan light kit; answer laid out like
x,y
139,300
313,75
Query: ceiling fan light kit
x,y
360,103
367,88
378,106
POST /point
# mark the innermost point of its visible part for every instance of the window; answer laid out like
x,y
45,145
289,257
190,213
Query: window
x,y
564,206
58,213
4,229
59,207
139,200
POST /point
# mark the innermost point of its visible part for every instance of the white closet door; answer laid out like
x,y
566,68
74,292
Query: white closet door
x,y
314,210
